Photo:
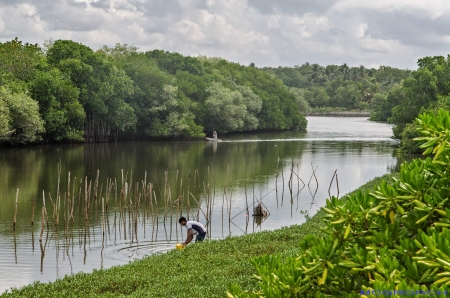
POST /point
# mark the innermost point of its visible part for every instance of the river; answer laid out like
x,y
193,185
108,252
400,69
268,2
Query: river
x,y
108,204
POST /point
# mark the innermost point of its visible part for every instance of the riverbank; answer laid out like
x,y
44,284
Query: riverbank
x,y
200,270
339,114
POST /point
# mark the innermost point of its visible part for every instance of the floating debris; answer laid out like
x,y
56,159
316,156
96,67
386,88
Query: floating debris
x,y
259,210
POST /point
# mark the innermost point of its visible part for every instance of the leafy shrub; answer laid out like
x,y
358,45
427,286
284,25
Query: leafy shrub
x,y
408,145
20,121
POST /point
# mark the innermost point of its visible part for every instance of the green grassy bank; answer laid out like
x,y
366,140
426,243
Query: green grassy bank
x,y
200,270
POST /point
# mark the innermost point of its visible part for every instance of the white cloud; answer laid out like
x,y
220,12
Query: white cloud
x,y
268,33
431,9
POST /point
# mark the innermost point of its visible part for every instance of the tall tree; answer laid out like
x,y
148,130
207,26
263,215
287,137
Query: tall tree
x,y
103,89
58,102
226,108
20,60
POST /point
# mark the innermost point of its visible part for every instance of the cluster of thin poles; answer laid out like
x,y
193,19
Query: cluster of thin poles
x,y
147,203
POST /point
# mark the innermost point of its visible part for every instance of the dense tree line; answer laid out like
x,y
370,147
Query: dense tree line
x,y
68,92
427,89
340,86
393,95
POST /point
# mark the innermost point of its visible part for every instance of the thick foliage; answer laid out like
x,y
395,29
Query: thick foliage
x,y
341,86
393,239
103,89
58,102
281,109
426,89
19,60
20,122
120,93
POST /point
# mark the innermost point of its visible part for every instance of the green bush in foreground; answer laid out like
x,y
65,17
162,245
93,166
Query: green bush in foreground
x,y
393,242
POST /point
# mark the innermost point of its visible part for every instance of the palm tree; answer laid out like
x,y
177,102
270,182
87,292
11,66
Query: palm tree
x,y
344,70
362,73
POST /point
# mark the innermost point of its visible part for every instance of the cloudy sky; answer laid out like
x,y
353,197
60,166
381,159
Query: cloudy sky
x,y
266,32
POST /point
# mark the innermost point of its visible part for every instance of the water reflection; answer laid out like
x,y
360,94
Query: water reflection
x,y
113,203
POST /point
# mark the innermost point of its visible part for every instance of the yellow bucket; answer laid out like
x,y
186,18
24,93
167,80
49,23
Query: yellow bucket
x,y
179,246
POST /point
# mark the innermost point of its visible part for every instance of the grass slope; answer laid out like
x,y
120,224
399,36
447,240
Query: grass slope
x,y
200,270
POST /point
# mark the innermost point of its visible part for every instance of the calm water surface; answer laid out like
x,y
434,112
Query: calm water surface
x,y
291,172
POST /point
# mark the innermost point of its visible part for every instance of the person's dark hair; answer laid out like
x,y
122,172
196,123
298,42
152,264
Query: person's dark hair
x,y
182,219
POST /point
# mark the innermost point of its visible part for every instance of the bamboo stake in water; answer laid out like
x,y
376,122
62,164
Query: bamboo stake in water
x,y
331,182
150,192
100,193
73,199
131,177
290,178
199,207
179,203
137,211
42,255
130,213
229,213
207,202
188,191
103,223
246,201
165,195
115,192
32,212
103,231
223,202
214,184
115,210
170,202
43,223
121,191
32,239
89,196
15,246
207,193
144,187
180,208
57,193
96,184
15,212
276,175
59,208
144,207
157,214
86,203
204,191
108,194
317,184
253,195
45,208
54,207
80,202
64,208
68,197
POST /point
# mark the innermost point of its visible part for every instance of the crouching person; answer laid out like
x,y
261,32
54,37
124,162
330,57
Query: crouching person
x,y
193,228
